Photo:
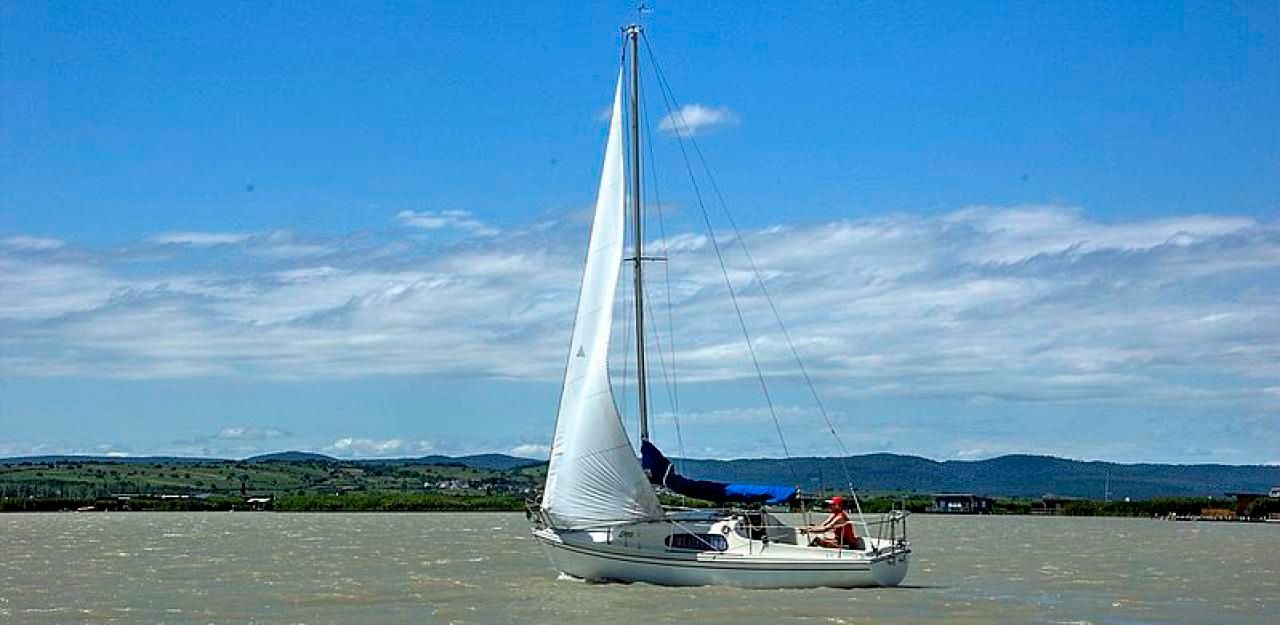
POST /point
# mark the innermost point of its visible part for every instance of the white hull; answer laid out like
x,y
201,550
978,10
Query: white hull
x,y
635,553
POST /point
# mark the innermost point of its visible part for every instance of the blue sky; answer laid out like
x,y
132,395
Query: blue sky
x,y
992,228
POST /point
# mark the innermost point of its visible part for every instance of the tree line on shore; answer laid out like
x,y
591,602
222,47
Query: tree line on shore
x,y
443,502
306,483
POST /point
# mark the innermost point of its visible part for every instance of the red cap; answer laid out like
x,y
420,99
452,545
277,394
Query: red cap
x,y
837,502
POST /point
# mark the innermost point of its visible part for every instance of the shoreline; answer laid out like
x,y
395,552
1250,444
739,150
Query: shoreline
x,y
1166,509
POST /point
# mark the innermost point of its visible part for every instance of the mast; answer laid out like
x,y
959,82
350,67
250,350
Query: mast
x,y
633,36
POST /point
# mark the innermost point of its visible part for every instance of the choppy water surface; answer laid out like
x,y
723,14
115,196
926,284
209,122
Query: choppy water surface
x,y
484,568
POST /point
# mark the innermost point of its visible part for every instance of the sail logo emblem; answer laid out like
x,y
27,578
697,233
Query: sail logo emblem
x,y
581,353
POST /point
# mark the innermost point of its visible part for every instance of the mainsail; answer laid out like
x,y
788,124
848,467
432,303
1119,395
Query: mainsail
x,y
594,478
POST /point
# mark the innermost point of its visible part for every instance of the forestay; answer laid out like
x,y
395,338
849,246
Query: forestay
x,y
594,478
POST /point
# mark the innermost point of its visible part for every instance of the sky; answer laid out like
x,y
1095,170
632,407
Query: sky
x,y
358,229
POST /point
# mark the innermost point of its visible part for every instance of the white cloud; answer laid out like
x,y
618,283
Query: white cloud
x,y
112,451
353,447
283,244
985,305
201,239
531,450
249,433
692,119
33,244
753,414
44,289
1021,232
438,220
10,449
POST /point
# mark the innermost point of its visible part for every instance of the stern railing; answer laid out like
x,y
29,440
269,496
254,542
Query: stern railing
x,y
892,528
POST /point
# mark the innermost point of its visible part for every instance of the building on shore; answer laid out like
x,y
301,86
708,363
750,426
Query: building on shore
x,y
1218,514
962,503
1053,505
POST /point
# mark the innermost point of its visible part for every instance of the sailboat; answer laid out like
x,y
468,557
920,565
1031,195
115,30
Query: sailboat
x,y
599,517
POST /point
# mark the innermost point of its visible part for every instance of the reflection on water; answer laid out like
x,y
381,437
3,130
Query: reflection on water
x,y
484,568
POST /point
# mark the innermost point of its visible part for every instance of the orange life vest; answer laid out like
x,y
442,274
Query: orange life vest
x,y
845,533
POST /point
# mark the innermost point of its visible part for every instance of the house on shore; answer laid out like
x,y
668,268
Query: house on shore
x,y
962,503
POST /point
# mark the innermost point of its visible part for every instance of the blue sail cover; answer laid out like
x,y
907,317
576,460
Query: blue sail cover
x,y
662,473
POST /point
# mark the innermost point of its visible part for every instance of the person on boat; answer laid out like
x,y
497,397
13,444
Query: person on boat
x,y
838,525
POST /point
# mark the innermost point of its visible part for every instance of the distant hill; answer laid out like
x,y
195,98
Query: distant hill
x,y
1015,475
493,462
292,456
1007,476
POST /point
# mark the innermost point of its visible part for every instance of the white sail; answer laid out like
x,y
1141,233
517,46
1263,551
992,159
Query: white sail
x,y
594,478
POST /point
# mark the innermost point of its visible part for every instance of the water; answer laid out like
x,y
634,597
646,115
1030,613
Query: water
x,y
484,568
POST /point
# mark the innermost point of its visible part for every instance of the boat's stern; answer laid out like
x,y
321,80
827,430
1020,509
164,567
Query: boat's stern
x,y
889,568
888,548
